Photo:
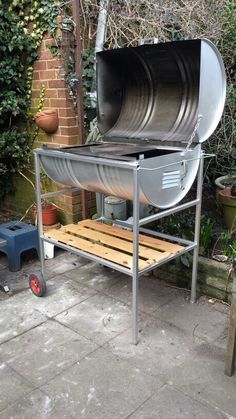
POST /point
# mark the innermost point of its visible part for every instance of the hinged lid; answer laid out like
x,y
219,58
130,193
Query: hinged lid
x,y
161,91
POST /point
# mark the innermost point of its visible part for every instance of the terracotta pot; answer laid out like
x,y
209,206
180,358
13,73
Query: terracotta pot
x,y
47,120
228,203
49,214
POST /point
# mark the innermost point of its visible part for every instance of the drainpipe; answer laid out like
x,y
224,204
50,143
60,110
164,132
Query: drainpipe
x,y
102,19
79,94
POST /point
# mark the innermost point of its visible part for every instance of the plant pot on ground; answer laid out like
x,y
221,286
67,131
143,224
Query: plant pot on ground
x,y
223,182
49,213
227,198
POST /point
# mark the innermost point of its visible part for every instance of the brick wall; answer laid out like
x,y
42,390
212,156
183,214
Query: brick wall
x,y
47,72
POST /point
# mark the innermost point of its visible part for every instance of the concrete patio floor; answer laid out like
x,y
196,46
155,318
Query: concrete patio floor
x,y
69,354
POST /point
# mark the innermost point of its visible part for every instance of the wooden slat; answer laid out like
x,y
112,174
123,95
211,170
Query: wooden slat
x,y
96,249
114,242
128,235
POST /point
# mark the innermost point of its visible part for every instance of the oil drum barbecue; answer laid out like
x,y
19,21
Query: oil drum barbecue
x,y
156,104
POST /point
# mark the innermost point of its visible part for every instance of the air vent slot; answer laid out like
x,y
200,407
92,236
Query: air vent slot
x,y
171,179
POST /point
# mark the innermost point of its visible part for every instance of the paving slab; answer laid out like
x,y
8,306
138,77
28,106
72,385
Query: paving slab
x,y
12,386
171,403
18,315
37,405
203,378
220,306
152,293
43,352
222,340
54,342
19,281
24,311
99,318
161,347
199,319
62,293
63,262
101,386
95,276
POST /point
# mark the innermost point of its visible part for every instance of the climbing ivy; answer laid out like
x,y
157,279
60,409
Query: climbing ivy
x,y
22,25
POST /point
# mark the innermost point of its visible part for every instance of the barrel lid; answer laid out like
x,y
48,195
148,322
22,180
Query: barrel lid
x,y
212,90
172,91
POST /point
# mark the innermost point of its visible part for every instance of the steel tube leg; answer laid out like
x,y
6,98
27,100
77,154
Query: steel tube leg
x,y
102,205
197,232
230,354
135,277
39,212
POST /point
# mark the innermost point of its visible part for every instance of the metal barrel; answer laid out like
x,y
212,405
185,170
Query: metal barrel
x,y
158,91
163,94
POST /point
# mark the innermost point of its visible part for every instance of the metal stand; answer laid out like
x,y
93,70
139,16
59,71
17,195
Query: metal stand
x,y
231,343
39,212
135,272
135,277
197,232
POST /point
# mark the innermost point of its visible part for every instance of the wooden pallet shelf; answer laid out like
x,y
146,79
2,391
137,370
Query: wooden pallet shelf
x,y
113,243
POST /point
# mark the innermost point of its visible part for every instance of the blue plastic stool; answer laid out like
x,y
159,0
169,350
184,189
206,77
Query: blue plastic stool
x,y
19,237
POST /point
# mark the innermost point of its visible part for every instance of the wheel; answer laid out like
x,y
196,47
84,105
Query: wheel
x,y
37,285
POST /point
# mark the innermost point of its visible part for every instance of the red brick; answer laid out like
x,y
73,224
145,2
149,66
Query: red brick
x,y
49,138
46,104
35,94
47,74
56,83
59,139
45,54
76,208
61,91
60,103
40,65
72,200
51,94
69,112
36,75
34,104
69,130
68,208
68,200
54,145
39,84
55,63
40,49
67,95
68,122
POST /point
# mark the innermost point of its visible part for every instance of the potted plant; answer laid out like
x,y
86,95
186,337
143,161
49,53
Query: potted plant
x,y
227,198
49,209
49,213
223,182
